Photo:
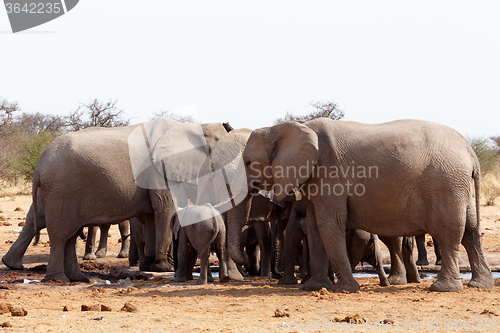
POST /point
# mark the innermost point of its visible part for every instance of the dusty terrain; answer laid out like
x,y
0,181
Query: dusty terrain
x,y
251,306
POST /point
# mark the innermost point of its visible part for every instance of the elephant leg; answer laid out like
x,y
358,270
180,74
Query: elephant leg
x,y
103,241
437,251
422,251
449,276
191,258
317,254
398,271
71,268
14,257
182,257
301,259
277,236
133,255
164,209
412,275
124,228
90,244
294,236
481,273
204,266
221,252
262,230
232,269
377,262
149,244
55,266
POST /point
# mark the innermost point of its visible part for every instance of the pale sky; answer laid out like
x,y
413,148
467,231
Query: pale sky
x,y
247,63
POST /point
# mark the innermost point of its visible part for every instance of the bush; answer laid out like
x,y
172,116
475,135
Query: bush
x,y
32,145
486,152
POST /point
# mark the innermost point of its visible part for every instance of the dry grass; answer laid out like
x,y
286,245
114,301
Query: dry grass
x,y
490,187
9,188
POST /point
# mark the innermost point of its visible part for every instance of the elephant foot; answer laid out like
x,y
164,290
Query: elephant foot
x,y
384,282
123,254
318,283
210,279
234,274
397,280
12,264
101,253
288,279
180,279
89,256
486,281
438,263
224,279
162,265
422,262
349,285
79,278
145,264
448,285
56,277
276,275
202,281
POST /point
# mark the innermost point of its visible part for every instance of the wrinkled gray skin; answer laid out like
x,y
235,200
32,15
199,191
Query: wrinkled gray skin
x,y
361,246
422,181
124,228
422,251
204,236
137,241
86,178
13,258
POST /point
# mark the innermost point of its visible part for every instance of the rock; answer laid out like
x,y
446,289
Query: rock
x,y
85,307
68,307
129,307
1,211
6,324
324,291
388,321
350,319
105,307
4,308
20,224
281,313
98,290
6,224
2,218
19,209
18,312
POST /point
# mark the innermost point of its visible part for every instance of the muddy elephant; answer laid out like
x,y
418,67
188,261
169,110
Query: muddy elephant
x,y
203,228
101,176
400,178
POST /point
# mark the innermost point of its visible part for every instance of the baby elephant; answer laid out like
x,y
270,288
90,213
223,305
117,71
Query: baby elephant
x,y
203,228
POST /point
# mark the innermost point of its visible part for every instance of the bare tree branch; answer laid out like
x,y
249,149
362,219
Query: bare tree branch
x,y
175,116
326,109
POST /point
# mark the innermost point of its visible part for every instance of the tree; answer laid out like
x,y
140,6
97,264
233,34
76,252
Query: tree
x,y
7,110
36,122
326,109
486,154
175,116
96,114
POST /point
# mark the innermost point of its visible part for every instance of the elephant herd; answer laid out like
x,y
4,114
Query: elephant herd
x,y
320,194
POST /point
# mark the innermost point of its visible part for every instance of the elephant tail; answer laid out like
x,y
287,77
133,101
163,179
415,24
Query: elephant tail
x,y
476,175
34,189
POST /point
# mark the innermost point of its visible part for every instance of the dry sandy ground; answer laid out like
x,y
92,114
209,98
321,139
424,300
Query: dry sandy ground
x,y
249,306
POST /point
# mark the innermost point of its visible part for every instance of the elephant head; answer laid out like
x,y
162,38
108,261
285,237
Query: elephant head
x,y
277,160
280,158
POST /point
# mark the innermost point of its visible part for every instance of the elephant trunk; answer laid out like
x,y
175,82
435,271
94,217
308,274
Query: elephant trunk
x,y
237,217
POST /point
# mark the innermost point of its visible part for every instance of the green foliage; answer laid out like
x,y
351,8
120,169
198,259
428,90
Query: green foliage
x,y
32,145
487,154
320,109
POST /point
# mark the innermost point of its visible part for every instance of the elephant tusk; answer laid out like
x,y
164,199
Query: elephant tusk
x,y
229,200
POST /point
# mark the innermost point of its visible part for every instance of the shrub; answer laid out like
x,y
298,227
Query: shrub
x,y
486,153
32,145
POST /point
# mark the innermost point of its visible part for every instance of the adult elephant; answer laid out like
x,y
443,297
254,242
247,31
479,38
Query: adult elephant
x,y
400,178
102,176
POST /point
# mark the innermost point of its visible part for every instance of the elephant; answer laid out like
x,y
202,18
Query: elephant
x,y
400,178
203,228
103,241
422,251
101,176
361,246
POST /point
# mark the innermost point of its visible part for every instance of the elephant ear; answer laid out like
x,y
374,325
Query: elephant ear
x,y
294,153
